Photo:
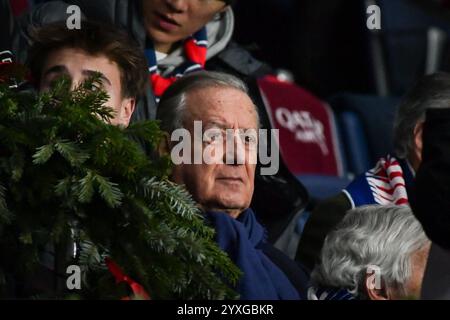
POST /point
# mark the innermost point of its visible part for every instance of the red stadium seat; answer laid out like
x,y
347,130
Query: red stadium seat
x,y
308,136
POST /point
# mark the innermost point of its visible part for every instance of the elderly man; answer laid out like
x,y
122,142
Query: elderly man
x,y
224,187
375,253
390,181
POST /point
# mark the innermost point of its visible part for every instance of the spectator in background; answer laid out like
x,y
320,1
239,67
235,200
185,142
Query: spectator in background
x,y
430,202
80,54
224,190
390,181
374,253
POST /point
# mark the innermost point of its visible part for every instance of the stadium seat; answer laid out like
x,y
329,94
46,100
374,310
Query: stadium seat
x,y
321,187
366,127
411,43
309,144
308,138
354,135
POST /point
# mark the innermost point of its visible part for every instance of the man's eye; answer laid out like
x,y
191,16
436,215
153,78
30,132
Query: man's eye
x,y
213,136
249,139
95,87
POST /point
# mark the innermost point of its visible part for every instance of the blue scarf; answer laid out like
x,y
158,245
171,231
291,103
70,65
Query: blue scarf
x,y
386,183
241,238
329,294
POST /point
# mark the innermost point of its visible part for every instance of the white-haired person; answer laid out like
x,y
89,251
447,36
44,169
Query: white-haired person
x,y
375,253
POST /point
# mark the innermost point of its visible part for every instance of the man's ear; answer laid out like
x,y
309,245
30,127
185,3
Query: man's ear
x,y
128,106
374,293
164,145
225,8
418,141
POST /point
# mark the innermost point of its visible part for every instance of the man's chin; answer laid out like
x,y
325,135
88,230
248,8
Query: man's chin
x,y
233,208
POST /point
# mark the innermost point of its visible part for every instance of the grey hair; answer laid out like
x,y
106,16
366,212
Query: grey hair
x,y
431,92
381,236
172,106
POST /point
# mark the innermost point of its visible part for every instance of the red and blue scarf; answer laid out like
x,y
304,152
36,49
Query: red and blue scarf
x,y
386,183
195,49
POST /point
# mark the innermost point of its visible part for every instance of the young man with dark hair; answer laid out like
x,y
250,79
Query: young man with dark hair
x,y
94,50
80,54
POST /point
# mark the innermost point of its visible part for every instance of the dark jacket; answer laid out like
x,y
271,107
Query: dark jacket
x,y
6,26
322,220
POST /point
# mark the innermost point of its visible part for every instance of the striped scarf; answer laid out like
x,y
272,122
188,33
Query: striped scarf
x,y
195,49
329,294
386,183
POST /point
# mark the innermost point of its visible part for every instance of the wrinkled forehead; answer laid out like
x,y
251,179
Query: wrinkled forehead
x,y
226,107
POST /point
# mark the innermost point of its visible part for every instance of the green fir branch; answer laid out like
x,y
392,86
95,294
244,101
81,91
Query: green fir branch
x,y
71,152
109,191
85,187
174,195
102,183
5,215
43,154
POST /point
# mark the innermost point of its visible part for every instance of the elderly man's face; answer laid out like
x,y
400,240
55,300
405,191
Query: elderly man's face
x,y
221,186
170,21
78,66
413,287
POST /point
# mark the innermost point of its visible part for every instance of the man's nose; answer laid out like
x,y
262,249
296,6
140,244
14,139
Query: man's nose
x,y
178,6
235,150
